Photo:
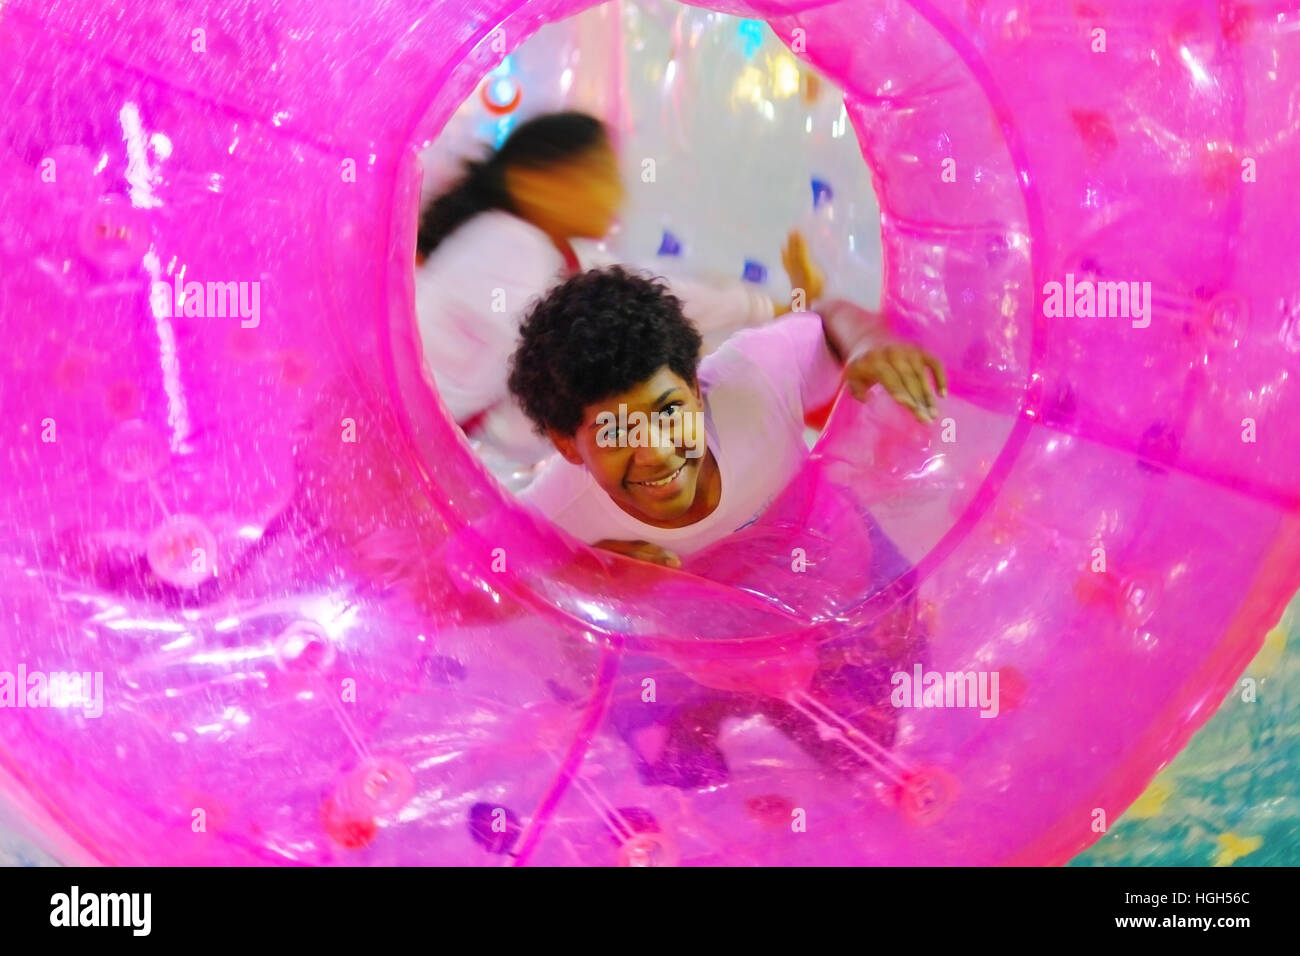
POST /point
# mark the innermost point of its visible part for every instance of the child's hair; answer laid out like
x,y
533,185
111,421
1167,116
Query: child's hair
x,y
540,143
600,333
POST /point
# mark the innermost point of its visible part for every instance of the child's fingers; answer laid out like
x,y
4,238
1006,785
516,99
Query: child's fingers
x,y
660,556
929,391
908,388
913,377
901,371
893,384
645,551
936,368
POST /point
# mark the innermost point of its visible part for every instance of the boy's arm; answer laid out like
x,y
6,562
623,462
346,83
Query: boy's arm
x,y
851,330
857,338
718,310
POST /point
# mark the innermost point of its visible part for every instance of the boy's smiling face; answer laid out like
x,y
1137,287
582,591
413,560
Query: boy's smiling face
x,y
654,477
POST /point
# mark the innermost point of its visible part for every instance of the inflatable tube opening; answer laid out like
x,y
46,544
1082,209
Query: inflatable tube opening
x,y
981,248
257,528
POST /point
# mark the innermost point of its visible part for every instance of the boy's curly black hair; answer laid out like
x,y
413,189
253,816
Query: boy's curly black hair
x,y
600,333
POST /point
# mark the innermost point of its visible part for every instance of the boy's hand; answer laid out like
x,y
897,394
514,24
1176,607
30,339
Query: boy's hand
x,y
901,368
642,551
801,269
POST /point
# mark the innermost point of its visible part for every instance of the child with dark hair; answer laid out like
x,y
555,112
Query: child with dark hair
x,y
663,455
543,164
720,438
501,236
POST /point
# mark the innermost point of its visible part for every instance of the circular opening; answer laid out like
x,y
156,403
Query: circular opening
x,y
955,276
725,142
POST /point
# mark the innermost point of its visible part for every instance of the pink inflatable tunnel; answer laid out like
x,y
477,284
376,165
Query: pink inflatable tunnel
x,y
307,627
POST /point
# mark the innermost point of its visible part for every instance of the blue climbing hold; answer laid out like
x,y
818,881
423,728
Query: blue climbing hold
x,y
755,271
751,32
822,192
669,246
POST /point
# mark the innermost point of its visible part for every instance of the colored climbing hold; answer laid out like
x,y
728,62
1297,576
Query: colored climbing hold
x,y
755,272
822,192
669,245
812,88
751,35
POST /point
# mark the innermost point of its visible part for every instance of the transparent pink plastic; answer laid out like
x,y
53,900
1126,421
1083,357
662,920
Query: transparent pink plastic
x,y
326,636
